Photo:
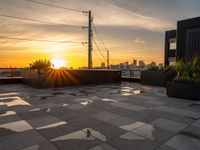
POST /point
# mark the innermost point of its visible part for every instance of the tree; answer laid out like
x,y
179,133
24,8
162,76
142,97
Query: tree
x,y
41,64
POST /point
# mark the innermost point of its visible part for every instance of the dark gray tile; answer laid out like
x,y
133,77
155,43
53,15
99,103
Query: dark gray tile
x,y
163,147
71,116
57,131
170,125
41,146
145,116
183,143
33,114
84,122
105,131
105,116
9,118
45,122
191,131
20,140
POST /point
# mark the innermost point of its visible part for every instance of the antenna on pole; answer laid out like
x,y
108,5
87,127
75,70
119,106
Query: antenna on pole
x,y
90,34
108,59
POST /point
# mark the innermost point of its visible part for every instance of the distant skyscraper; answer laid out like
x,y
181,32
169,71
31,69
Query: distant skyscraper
x,y
103,65
141,63
134,62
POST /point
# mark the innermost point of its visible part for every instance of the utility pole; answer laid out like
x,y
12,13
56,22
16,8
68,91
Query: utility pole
x,y
108,59
90,34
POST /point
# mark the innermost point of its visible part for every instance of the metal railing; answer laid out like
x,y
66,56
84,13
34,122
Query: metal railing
x,y
10,72
133,73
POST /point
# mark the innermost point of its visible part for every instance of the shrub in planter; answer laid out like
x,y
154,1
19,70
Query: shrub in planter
x,y
187,82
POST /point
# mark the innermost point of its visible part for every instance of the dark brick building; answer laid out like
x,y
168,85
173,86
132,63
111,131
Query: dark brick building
x,y
183,43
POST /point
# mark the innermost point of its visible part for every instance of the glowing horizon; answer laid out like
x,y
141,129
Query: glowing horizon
x,y
130,30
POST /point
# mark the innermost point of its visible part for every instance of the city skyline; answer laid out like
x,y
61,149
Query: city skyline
x,y
130,29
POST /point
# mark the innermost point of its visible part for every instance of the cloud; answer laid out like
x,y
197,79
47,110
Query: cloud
x,y
139,40
112,15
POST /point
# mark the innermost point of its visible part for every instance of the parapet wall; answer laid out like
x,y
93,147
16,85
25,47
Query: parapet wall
x,y
59,78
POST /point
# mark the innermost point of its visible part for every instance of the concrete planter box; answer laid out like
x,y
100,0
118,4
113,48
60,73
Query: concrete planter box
x,y
183,90
59,78
155,78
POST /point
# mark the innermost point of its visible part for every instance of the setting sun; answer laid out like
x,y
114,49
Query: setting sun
x,y
58,63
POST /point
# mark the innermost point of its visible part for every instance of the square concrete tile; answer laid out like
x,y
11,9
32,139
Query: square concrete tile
x,y
196,124
120,111
75,141
144,116
17,126
130,141
105,131
56,131
71,116
128,106
84,122
60,111
88,111
126,123
163,147
178,111
20,140
154,133
41,146
9,118
169,125
103,147
181,142
45,122
105,116
76,106
33,114
191,131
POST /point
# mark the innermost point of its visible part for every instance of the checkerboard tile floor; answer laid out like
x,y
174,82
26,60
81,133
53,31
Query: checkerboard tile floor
x,y
97,117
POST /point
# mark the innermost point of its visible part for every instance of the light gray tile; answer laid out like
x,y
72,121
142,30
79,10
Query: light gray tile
x,y
17,126
128,106
126,123
103,147
154,133
130,141
178,111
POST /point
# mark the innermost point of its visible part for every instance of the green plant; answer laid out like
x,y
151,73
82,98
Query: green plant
x,y
187,72
41,64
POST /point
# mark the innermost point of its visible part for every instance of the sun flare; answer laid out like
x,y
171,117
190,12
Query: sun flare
x,y
58,63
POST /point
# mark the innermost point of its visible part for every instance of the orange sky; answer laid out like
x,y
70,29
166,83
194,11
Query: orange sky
x,y
129,29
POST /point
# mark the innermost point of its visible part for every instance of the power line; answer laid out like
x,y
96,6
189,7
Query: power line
x,y
38,40
97,56
46,22
101,41
60,7
99,49
99,37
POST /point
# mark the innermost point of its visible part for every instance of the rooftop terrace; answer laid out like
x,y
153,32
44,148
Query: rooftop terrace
x,y
122,116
